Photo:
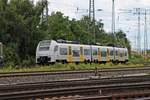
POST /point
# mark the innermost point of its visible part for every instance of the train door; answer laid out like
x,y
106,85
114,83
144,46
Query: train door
x,y
81,54
107,56
116,54
122,55
119,55
103,54
69,54
56,53
99,55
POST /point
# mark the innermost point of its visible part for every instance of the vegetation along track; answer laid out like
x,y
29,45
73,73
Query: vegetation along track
x,y
13,78
88,87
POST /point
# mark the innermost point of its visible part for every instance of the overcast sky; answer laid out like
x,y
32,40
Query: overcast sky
x,y
124,21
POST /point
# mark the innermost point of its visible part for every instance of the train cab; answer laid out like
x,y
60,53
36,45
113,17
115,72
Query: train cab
x,y
45,51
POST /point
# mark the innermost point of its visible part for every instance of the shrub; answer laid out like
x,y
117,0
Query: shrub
x,y
10,56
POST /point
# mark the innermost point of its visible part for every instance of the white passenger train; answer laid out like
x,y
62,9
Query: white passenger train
x,y
50,51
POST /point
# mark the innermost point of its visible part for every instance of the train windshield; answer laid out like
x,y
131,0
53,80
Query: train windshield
x,y
43,48
44,45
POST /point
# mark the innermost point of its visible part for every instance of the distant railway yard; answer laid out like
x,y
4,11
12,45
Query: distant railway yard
x,y
131,83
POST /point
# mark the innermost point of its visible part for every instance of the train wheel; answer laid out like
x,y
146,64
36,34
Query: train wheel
x,y
100,62
97,61
77,63
64,62
85,61
52,63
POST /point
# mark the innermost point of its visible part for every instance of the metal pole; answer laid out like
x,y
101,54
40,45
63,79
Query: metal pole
x,y
118,20
92,18
94,21
90,23
46,11
139,31
145,36
113,27
90,10
113,17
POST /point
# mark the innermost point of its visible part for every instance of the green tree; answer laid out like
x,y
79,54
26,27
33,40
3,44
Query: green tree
x,y
59,27
20,25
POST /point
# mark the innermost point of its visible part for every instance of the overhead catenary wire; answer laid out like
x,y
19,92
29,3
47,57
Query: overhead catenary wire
x,y
140,22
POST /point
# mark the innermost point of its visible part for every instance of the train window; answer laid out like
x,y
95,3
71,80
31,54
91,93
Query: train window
x,y
45,43
86,51
116,53
125,53
75,53
43,48
95,52
103,53
111,52
63,51
55,48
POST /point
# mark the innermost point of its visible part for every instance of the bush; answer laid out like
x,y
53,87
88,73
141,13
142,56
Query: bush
x,y
28,62
72,66
10,56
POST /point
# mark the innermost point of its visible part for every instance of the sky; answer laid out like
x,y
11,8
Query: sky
x,y
124,21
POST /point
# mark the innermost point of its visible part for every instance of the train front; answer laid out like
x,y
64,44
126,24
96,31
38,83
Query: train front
x,y
43,52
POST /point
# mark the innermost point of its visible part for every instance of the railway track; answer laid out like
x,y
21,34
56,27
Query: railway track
x,y
81,90
100,70
73,83
102,87
124,96
12,78
24,86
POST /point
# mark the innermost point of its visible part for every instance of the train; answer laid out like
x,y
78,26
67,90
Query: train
x,y
1,54
53,51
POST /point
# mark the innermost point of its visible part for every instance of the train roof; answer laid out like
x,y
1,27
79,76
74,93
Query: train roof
x,y
46,41
65,42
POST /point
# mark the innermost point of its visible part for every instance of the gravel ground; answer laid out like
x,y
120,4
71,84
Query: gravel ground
x,y
60,76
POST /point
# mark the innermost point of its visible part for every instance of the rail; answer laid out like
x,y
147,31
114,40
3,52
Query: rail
x,y
13,78
84,91
73,83
101,70
88,87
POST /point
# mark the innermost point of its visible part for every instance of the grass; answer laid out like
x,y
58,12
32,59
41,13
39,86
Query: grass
x,y
59,67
